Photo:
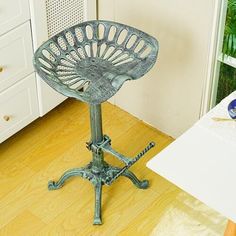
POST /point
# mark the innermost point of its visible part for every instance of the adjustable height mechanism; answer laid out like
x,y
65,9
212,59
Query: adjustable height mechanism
x,y
105,146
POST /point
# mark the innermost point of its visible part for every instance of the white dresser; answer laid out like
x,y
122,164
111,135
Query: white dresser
x,y
24,25
18,93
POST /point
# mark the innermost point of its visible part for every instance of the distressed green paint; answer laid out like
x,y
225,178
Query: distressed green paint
x,y
73,66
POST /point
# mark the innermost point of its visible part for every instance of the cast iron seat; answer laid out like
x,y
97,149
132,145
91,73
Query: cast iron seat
x,y
90,62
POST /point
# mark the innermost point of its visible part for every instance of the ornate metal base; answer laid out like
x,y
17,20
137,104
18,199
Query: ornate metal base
x,y
98,178
98,171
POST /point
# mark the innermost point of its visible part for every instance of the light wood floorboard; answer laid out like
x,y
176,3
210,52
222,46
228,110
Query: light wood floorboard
x,y
55,143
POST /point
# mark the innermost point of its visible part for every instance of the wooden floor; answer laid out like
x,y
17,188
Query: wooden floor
x,y
55,143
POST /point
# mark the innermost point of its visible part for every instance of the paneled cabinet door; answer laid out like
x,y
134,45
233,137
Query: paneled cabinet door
x,y
13,13
18,107
16,55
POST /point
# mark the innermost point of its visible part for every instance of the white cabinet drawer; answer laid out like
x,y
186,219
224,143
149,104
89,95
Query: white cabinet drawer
x,y
18,107
13,13
15,55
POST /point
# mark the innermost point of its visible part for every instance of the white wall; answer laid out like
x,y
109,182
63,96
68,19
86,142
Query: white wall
x,y
169,96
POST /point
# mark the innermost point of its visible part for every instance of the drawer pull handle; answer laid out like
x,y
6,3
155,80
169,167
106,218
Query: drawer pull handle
x,y
6,118
1,69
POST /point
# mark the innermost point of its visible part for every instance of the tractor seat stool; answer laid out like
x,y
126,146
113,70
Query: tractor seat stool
x,y
90,62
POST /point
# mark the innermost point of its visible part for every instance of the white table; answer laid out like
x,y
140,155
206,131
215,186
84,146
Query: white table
x,y
203,161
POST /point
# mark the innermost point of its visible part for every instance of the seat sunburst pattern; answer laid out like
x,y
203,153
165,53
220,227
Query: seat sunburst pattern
x,y
91,61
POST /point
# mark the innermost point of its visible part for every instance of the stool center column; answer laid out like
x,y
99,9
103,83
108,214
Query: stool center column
x,y
96,135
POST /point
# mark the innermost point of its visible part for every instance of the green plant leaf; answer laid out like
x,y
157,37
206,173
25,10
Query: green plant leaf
x,y
229,42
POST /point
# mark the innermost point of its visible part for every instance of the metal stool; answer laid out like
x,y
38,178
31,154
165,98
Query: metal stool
x,y
90,62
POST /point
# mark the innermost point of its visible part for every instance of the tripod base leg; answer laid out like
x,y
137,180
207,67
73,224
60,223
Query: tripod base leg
x,y
142,184
82,172
112,171
98,204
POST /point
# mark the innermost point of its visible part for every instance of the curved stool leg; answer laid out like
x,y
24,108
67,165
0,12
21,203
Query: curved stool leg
x,y
82,172
98,203
138,183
